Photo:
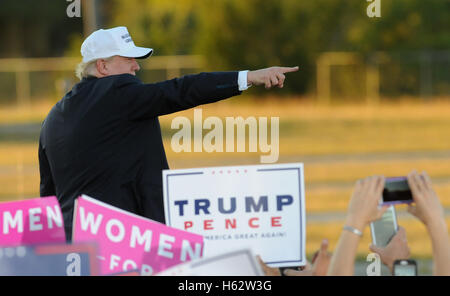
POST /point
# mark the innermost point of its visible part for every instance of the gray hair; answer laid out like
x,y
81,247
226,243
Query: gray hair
x,y
84,70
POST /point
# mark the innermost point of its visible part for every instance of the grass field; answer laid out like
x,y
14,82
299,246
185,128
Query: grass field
x,y
337,144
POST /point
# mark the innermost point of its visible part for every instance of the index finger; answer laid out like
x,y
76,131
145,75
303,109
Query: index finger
x,y
324,246
289,69
401,233
379,186
427,181
413,185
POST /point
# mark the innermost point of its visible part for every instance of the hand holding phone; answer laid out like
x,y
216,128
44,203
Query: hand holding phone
x,y
427,207
397,248
385,228
396,191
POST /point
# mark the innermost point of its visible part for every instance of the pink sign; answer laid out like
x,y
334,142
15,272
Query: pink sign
x,y
31,221
129,242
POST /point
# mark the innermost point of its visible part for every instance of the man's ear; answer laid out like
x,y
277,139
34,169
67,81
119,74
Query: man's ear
x,y
101,67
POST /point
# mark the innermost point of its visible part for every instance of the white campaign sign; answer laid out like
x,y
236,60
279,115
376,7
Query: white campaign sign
x,y
235,263
260,207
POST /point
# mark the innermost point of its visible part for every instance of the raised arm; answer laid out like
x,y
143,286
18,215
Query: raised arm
x,y
362,210
429,210
143,101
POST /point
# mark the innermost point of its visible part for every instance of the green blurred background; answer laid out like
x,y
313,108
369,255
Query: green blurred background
x,y
372,95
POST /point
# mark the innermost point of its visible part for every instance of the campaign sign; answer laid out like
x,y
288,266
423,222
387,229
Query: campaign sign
x,y
235,263
128,242
49,260
127,273
260,207
31,221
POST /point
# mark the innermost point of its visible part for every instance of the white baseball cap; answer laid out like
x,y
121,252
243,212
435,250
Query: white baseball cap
x,y
111,42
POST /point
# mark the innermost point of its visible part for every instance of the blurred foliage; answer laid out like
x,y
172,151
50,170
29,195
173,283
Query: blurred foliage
x,y
33,28
235,34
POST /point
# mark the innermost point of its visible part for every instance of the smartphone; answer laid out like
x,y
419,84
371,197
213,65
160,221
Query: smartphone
x,y
405,268
396,191
385,228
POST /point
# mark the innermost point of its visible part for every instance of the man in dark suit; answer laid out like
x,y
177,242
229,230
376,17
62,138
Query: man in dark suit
x,y
103,138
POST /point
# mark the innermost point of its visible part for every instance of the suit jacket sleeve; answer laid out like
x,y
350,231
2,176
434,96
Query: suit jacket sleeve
x,y
47,187
141,101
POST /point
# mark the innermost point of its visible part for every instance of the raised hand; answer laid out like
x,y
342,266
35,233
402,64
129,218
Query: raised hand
x,y
429,210
320,263
427,207
363,207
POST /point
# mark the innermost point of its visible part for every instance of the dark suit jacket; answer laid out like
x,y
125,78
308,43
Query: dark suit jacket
x,y
103,139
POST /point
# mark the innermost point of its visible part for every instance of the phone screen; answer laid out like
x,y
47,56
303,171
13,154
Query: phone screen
x,y
405,268
384,228
396,190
